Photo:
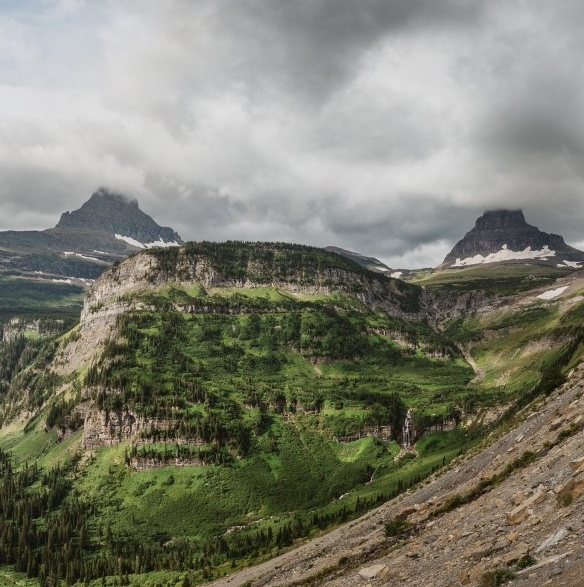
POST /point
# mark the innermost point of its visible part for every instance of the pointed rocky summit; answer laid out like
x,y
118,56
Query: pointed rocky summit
x,y
108,227
503,236
114,214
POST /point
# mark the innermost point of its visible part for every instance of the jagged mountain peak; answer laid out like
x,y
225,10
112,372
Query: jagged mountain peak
x,y
115,214
105,196
504,236
107,227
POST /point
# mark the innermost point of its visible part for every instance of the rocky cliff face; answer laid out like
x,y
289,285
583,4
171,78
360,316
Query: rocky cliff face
x,y
295,268
36,327
299,271
214,266
504,236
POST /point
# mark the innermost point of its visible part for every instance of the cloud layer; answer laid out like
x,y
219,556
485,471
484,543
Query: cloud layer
x,y
382,126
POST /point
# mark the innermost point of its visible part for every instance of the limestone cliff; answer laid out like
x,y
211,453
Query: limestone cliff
x,y
292,270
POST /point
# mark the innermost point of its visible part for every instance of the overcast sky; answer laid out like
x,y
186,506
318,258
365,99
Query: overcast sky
x,y
381,126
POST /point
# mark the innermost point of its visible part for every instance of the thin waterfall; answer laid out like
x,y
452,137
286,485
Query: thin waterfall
x,y
407,430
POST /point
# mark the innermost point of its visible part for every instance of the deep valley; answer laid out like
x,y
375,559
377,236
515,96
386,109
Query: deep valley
x,y
220,403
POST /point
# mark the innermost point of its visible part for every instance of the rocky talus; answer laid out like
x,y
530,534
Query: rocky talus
x,y
517,501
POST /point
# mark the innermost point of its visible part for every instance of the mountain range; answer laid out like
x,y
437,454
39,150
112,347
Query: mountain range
x,y
217,404
109,226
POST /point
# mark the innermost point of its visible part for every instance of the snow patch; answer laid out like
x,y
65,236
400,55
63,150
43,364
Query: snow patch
x,y
130,241
71,253
505,254
397,274
62,281
161,243
139,245
552,293
573,264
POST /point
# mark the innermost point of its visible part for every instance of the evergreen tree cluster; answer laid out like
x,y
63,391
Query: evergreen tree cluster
x,y
24,366
43,524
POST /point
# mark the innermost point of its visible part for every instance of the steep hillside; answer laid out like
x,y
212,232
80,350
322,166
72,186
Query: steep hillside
x,y
456,293
370,263
219,402
510,514
235,391
519,327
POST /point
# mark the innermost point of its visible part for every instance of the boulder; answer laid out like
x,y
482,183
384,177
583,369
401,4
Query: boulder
x,y
374,572
517,515
552,540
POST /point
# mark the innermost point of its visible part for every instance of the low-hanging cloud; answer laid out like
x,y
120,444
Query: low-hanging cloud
x,y
383,126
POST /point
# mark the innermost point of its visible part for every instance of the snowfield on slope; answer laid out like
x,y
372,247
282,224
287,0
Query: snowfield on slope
x,y
506,254
138,244
552,293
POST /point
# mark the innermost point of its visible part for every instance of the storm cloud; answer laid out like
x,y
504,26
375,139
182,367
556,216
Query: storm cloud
x,y
382,126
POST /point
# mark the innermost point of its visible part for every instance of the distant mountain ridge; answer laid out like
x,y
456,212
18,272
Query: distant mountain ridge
x,y
503,236
112,213
106,228
371,263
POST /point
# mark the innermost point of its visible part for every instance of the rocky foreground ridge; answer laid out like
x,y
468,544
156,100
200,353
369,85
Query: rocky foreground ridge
x,y
503,236
510,513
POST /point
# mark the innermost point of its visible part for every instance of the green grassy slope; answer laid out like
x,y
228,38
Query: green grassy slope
x,y
26,296
247,392
497,279
520,344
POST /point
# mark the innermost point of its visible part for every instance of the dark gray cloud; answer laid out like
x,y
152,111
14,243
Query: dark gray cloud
x,y
383,126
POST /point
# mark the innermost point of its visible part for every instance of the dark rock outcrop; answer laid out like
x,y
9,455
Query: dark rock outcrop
x,y
505,236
